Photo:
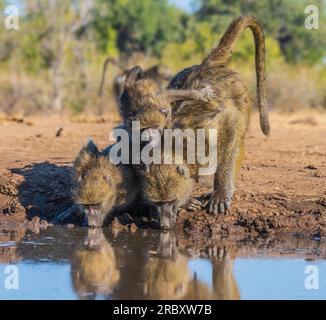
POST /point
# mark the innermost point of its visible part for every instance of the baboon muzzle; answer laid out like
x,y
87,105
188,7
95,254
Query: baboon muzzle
x,y
93,215
168,215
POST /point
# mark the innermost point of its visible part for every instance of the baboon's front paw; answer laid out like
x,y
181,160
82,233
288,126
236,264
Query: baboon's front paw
x,y
218,204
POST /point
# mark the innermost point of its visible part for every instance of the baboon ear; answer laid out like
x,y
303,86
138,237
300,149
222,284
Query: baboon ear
x,y
92,148
133,75
183,171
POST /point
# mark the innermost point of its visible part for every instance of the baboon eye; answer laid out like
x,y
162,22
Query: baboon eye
x,y
164,111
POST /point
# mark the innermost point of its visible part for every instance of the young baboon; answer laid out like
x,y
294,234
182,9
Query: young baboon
x,y
143,100
165,188
229,110
102,187
160,73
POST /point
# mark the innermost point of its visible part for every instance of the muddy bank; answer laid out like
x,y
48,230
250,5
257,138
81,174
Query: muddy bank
x,y
33,196
281,188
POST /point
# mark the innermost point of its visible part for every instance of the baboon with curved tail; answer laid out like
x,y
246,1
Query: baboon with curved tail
x,y
227,111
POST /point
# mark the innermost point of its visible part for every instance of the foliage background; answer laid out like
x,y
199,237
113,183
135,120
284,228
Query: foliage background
x,y
53,62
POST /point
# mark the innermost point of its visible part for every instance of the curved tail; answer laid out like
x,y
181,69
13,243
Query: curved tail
x,y
221,54
105,66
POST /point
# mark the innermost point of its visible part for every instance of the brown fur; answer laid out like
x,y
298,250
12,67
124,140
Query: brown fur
x,y
229,113
166,187
94,268
143,100
228,109
168,276
101,186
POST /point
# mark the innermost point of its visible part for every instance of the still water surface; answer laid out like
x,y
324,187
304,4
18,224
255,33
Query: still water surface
x,y
81,263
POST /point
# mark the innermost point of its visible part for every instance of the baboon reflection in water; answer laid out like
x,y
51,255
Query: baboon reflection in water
x,y
134,271
94,269
168,276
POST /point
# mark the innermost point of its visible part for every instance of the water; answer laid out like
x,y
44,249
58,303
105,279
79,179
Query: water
x,y
81,263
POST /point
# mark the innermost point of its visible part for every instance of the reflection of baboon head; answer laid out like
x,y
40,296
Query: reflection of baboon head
x,y
94,268
166,278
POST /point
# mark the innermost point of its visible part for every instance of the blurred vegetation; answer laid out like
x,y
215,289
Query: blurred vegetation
x,y
53,62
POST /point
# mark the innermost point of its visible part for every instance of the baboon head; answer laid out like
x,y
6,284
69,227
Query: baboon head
x,y
142,100
95,189
166,187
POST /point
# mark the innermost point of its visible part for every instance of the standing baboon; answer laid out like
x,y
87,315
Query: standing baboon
x,y
229,110
143,100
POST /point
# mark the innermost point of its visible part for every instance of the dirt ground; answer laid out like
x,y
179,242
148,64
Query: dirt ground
x,y
281,188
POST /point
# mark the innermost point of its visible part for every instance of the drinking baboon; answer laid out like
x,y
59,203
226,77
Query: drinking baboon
x,y
100,186
228,112
165,188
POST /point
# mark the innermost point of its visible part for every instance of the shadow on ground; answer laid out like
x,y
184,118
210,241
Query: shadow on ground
x,y
45,190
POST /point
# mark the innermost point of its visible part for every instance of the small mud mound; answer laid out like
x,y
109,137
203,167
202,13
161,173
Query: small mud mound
x,y
10,208
258,214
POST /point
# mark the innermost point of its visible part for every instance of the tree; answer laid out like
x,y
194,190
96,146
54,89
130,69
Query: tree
x,y
136,26
281,19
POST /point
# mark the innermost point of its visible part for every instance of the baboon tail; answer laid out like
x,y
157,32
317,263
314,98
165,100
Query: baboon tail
x,y
222,53
105,66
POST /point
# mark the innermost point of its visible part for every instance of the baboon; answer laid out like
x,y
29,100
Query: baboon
x,y
165,188
143,100
94,268
229,113
100,186
229,110
160,73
